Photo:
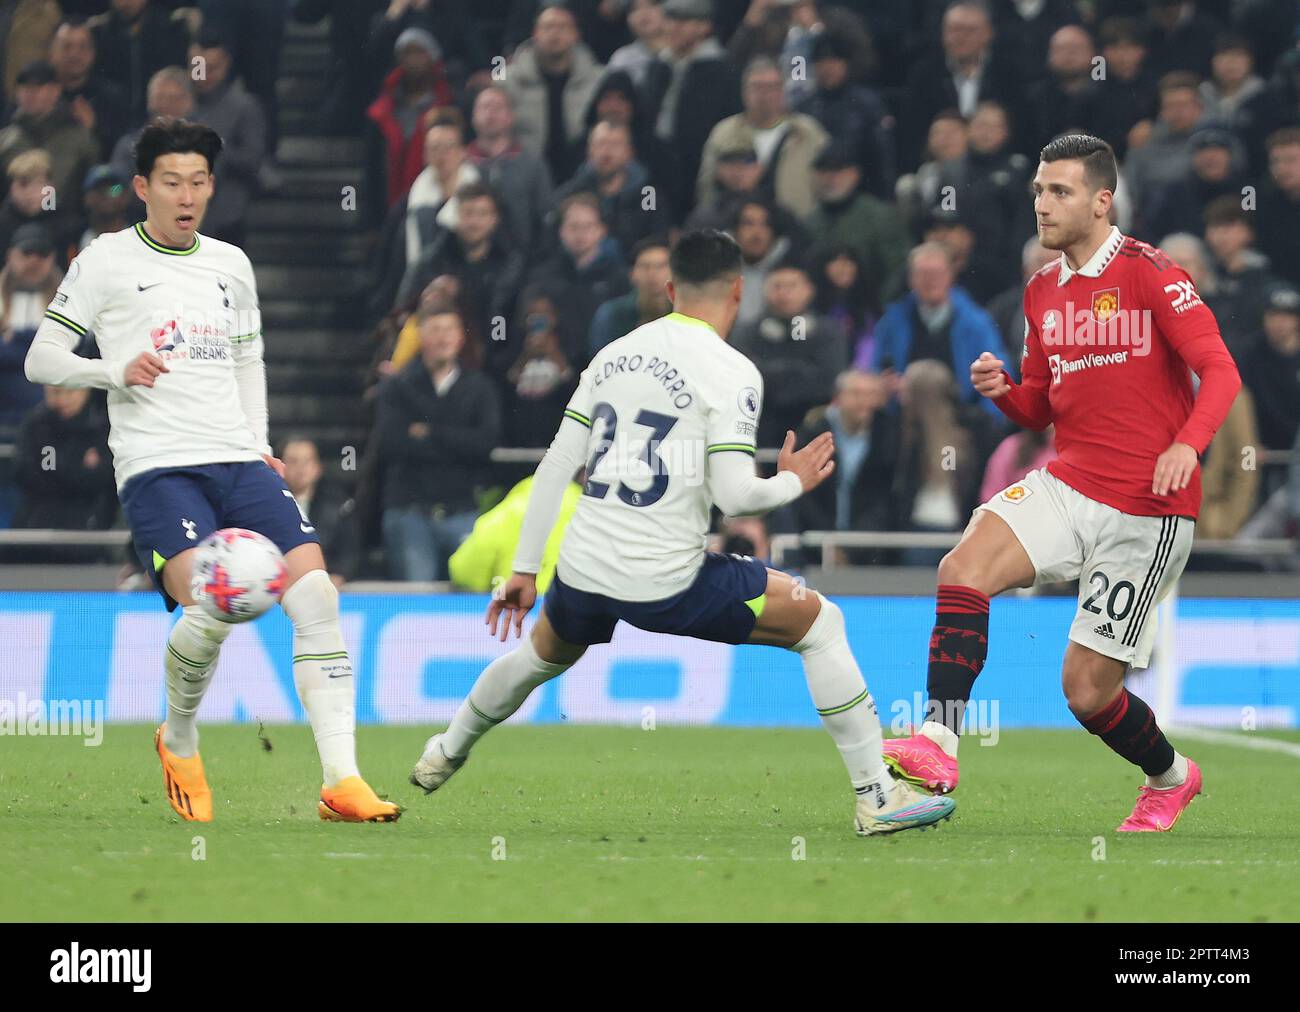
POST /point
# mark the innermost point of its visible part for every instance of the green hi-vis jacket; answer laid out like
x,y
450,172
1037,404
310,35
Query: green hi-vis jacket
x,y
490,548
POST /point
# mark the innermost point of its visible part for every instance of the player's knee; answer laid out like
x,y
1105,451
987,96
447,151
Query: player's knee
x,y
1084,698
827,627
196,622
957,569
312,598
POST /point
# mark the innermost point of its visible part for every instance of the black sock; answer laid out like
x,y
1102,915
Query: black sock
x,y
1129,727
958,646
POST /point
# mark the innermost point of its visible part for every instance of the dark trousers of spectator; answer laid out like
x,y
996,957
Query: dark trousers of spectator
x,y
254,29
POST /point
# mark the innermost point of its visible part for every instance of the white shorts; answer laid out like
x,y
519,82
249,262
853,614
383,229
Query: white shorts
x,y
1125,564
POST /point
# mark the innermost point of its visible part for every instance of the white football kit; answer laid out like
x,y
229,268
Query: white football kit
x,y
197,310
664,419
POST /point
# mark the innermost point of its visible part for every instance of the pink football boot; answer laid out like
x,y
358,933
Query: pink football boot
x,y
920,761
1157,811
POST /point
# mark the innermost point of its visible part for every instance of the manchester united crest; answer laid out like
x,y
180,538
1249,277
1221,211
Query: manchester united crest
x,y
1105,304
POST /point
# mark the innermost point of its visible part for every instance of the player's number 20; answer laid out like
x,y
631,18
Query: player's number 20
x,y
1101,583
661,424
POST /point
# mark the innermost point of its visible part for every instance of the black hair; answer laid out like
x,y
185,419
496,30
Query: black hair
x,y
1097,157
477,190
210,37
705,255
858,300
649,242
179,137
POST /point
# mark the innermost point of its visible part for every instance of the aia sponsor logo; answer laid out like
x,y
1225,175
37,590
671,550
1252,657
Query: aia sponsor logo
x,y
166,337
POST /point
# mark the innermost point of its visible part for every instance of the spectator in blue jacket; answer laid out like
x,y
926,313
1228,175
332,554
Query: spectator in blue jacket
x,y
937,320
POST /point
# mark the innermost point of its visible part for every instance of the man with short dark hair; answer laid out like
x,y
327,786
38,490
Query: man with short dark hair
x,y
648,299
1166,157
1116,509
587,268
436,424
42,119
189,438
135,40
551,79
333,513
520,177
962,75
797,351
97,103
631,204
1245,276
1277,216
860,495
221,102
77,493
478,252
664,421
786,142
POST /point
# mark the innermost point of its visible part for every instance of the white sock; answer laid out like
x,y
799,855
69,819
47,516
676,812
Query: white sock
x,y
189,661
1173,777
846,708
499,691
322,673
942,735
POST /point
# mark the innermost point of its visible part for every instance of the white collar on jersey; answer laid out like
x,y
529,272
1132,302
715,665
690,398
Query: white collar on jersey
x,y
1098,262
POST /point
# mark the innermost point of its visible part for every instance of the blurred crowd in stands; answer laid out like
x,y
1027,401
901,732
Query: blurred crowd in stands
x,y
528,164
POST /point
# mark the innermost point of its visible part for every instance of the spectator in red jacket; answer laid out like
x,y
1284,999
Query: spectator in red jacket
x,y
416,85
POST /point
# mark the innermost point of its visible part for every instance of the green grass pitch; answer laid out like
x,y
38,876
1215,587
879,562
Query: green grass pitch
x,y
597,823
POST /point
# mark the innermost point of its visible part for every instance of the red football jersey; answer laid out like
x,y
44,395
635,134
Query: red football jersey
x,y
1109,353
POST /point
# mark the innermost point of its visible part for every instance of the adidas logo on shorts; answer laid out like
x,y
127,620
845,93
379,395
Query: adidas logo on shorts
x,y
1105,630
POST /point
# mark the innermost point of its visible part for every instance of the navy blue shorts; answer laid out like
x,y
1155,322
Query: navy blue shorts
x,y
723,604
171,509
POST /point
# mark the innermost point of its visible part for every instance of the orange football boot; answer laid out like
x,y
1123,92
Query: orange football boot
x,y
187,787
352,800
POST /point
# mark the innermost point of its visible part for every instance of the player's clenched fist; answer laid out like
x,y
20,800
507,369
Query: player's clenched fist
x,y
812,464
986,375
142,370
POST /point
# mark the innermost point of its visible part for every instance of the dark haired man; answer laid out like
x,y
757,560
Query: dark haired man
x,y
1112,328
176,318
221,102
663,422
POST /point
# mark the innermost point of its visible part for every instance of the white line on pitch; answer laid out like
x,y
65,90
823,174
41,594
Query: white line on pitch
x,y
1261,744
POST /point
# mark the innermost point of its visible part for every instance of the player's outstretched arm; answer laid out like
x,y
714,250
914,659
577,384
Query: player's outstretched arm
x,y
739,492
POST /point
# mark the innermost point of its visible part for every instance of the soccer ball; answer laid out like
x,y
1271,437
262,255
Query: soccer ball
x,y
238,575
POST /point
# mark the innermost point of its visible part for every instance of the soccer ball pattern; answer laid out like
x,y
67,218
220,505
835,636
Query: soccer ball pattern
x,y
238,575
